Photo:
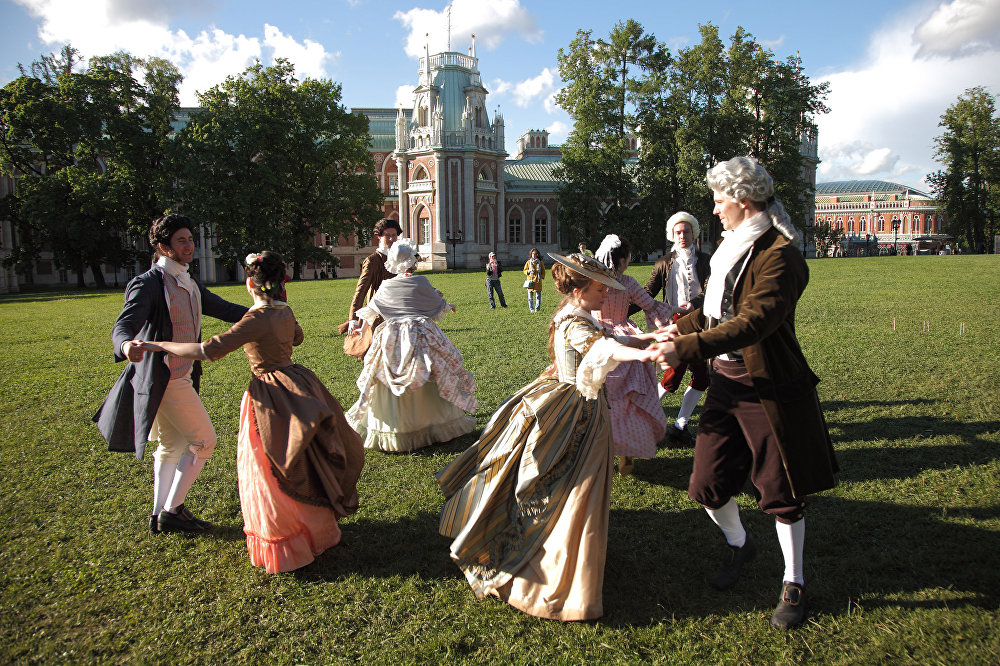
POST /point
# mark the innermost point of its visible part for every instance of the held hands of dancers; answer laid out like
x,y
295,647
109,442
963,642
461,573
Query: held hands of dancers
x,y
133,350
191,350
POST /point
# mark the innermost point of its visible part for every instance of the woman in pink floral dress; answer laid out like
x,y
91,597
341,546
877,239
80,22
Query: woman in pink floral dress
x,y
637,420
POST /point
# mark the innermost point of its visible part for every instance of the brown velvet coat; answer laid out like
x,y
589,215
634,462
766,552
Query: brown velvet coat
x,y
373,274
763,328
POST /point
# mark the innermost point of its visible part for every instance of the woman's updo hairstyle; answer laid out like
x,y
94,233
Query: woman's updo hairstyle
x,y
267,271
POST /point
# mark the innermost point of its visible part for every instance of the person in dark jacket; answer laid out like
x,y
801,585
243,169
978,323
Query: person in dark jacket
x,y
762,417
156,396
493,272
681,275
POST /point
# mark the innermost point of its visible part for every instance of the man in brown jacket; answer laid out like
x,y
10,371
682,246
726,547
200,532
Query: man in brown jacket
x,y
762,417
373,272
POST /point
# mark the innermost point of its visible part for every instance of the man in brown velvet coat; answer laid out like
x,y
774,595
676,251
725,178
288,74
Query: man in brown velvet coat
x,y
762,417
373,272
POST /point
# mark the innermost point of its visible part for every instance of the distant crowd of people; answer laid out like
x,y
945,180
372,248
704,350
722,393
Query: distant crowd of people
x,y
527,506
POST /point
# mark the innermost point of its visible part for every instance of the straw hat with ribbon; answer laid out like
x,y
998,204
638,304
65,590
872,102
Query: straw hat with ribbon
x,y
588,267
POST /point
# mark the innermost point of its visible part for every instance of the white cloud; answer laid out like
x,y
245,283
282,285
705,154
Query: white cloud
x,y
960,28
558,131
404,96
491,21
529,91
99,27
310,57
884,115
501,87
773,43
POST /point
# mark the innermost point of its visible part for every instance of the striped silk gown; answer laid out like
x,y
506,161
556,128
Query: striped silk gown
x,y
527,505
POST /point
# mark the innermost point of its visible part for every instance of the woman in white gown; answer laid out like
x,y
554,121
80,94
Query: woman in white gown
x,y
414,390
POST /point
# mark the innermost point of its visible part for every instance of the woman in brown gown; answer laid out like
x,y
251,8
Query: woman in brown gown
x,y
297,458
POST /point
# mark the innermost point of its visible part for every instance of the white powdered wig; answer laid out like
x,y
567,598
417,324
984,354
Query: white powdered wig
x,y
744,178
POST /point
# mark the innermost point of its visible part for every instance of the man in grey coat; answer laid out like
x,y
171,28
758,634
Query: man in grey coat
x,y
156,396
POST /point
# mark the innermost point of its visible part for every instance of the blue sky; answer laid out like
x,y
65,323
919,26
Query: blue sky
x,y
894,66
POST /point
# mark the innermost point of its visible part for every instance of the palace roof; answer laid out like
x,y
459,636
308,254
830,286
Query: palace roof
x,y
838,187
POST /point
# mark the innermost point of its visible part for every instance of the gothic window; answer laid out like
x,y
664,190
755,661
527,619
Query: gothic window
x,y
394,186
930,224
422,116
863,228
840,223
483,226
425,227
881,223
514,229
479,117
541,227
850,225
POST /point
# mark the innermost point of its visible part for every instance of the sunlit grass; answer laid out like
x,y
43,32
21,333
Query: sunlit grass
x,y
901,557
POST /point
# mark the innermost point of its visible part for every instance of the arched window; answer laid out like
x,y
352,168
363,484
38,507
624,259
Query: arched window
x,y
881,223
850,225
541,226
863,225
424,227
514,227
420,173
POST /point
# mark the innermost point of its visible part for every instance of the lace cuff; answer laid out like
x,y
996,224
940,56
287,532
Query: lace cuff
x,y
367,313
595,366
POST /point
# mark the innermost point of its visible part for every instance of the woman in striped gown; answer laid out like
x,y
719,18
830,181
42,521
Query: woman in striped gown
x,y
527,505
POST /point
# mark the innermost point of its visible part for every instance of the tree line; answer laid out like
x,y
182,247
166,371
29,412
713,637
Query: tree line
x,y
689,109
268,161
968,187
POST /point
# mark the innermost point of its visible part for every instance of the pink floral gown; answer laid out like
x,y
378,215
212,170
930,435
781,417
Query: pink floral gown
x,y
637,420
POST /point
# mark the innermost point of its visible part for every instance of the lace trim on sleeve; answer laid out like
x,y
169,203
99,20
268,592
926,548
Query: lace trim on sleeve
x,y
368,313
596,365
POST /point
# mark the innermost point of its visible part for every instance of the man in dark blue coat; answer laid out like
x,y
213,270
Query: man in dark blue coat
x,y
156,396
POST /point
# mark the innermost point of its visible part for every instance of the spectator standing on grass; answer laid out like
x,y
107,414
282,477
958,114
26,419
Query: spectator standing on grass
x,y
527,505
681,275
583,249
373,272
762,416
493,272
637,420
298,460
156,396
534,271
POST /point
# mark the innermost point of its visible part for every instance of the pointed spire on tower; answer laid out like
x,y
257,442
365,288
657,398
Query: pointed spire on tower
x,y
473,45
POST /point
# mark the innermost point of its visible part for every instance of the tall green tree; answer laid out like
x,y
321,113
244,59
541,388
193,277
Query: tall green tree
x,y
270,162
87,147
706,104
604,80
968,188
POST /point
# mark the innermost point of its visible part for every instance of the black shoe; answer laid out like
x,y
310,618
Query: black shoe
x,y
732,563
154,526
791,609
181,520
680,437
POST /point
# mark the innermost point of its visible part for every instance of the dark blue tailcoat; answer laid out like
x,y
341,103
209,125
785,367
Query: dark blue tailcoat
x,y
127,414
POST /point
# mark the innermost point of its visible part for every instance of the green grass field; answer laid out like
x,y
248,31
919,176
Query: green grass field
x,y
902,558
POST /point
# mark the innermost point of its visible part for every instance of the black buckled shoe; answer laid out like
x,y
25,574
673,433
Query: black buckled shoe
x,y
154,525
181,520
732,563
680,437
791,609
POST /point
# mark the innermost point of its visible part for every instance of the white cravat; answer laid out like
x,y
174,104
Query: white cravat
x,y
735,244
180,273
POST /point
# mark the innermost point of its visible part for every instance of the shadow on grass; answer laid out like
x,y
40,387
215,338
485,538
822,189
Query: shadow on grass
x,y
869,554
43,297
906,459
372,548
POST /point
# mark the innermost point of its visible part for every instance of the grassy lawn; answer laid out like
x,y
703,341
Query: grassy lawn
x,y
902,558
